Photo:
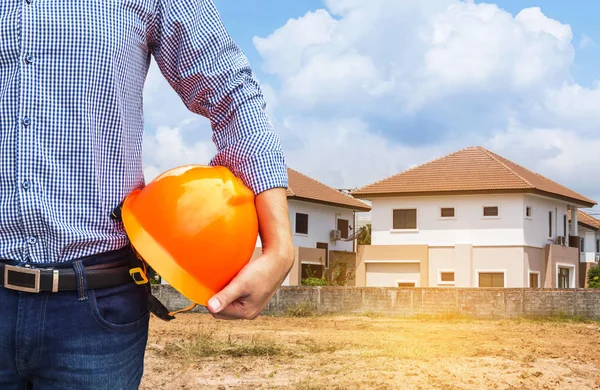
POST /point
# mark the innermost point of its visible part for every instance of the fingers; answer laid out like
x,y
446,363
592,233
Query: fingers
x,y
221,300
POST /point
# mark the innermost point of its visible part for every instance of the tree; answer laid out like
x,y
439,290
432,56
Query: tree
x,y
364,235
594,277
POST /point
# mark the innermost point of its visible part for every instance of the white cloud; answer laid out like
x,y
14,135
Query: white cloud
x,y
586,42
412,52
166,149
367,88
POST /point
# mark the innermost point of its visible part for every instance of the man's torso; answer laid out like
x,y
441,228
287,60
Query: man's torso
x,y
71,122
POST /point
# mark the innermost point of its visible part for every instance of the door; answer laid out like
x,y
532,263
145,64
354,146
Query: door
x,y
563,277
533,280
324,245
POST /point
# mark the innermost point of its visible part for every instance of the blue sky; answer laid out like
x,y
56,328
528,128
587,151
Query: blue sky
x,y
362,89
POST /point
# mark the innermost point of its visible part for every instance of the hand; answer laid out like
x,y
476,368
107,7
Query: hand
x,y
253,287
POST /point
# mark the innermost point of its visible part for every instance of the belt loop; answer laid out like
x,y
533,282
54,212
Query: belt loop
x,y
81,280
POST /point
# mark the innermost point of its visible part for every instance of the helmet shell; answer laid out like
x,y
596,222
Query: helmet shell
x,y
195,225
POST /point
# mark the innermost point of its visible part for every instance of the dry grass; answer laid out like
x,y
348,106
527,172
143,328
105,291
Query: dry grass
x,y
372,352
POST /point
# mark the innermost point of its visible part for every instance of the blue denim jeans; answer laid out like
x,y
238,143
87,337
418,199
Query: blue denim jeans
x,y
87,339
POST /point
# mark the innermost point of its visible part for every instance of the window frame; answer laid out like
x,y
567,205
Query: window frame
x,y
530,209
538,274
491,271
445,282
409,229
441,210
296,223
483,216
337,226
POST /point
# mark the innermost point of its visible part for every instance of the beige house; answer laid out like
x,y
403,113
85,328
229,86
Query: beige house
x,y
471,219
322,219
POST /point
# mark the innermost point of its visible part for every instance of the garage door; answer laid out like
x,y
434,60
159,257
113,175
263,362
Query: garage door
x,y
393,274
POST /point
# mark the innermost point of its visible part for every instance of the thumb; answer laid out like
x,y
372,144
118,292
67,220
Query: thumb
x,y
223,298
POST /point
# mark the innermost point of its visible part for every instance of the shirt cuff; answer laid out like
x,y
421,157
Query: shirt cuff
x,y
259,171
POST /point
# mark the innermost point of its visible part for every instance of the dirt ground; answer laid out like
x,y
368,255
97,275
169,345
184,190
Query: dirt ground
x,y
372,352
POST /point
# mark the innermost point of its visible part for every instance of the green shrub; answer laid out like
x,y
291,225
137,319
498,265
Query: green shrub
x,y
594,277
314,281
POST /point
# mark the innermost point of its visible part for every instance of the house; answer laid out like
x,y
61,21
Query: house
x,y
589,233
322,221
471,219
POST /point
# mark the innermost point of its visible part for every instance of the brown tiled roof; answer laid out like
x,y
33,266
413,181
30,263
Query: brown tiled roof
x,y
302,187
469,170
587,220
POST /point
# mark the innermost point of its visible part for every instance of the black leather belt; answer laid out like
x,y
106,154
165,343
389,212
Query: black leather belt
x,y
35,280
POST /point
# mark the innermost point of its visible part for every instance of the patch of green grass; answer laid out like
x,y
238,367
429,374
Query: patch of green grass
x,y
207,345
312,346
557,318
301,310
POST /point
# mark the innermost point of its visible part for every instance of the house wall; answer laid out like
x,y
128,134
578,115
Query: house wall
x,y
511,228
466,261
534,261
588,254
410,261
442,258
468,227
499,259
321,220
537,227
557,255
389,274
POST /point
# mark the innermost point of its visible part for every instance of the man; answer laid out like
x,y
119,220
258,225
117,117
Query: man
x,y
71,82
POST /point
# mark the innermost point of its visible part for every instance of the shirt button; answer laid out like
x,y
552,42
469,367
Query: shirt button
x,y
26,184
28,59
32,240
26,121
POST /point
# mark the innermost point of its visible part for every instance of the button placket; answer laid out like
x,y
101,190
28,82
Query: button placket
x,y
25,142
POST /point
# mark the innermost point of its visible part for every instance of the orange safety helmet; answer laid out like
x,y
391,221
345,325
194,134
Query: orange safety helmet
x,y
195,225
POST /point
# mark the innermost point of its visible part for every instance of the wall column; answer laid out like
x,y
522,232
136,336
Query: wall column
x,y
574,222
463,266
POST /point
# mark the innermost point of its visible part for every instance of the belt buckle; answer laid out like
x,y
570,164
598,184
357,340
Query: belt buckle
x,y
32,286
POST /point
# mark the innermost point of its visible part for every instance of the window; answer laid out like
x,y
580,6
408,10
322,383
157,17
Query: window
x,y
490,211
342,225
597,246
549,223
447,276
565,225
405,284
534,280
491,279
528,211
563,277
311,271
405,219
582,244
447,212
301,223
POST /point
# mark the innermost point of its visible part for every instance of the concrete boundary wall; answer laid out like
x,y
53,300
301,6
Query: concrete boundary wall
x,y
473,302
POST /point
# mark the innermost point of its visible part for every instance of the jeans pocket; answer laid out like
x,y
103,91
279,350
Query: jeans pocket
x,y
121,307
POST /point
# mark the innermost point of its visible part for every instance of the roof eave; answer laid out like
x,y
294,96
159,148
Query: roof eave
x,y
334,204
578,202
588,226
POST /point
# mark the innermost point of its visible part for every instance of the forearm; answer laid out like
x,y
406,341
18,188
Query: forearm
x,y
274,225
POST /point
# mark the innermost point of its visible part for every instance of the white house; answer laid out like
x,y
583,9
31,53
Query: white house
x,y
471,219
589,233
322,221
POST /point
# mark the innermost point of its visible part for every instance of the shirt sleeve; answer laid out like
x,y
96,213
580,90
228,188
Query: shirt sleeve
x,y
214,79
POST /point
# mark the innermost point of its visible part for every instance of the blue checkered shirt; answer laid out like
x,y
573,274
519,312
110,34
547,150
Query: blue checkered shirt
x,y
71,113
